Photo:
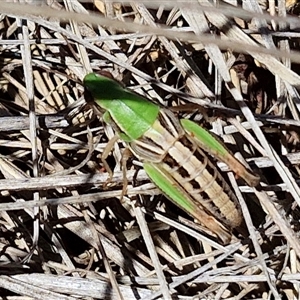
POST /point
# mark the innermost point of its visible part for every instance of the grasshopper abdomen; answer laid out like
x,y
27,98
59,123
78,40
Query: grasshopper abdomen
x,y
167,144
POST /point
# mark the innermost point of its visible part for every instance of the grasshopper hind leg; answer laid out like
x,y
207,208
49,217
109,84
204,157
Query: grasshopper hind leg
x,y
182,199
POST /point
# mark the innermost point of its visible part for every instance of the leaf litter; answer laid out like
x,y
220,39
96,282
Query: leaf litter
x,y
67,231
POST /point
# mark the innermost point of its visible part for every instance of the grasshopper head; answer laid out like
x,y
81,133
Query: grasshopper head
x,y
132,113
101,87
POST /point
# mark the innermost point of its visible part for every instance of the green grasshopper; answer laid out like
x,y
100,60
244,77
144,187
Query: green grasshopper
x,y
174,156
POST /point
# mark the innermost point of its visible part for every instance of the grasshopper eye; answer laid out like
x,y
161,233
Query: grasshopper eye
x,y
105,74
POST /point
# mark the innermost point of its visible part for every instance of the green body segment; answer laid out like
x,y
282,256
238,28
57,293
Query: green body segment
x,y
132,114
208,142
172,156
169,186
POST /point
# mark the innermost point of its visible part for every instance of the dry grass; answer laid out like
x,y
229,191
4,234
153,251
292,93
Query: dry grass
x,y
66,233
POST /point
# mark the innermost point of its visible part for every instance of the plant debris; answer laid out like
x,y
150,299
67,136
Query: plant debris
x,y
68,232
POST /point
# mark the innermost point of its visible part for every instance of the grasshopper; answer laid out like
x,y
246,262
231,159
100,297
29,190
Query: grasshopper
x,y
174,153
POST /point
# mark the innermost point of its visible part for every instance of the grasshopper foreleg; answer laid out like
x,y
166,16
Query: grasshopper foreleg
x,y
108,148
